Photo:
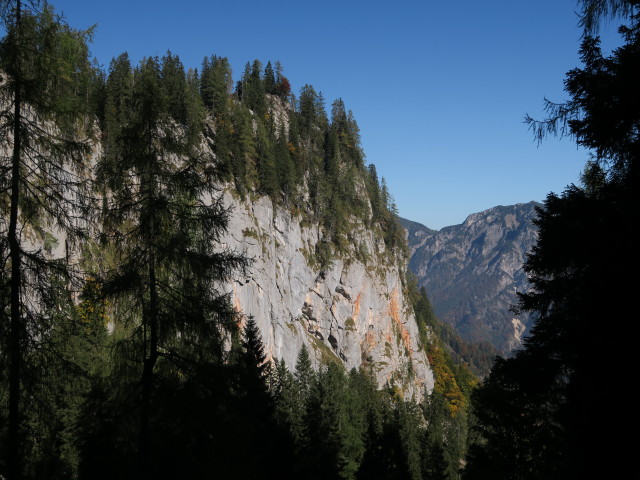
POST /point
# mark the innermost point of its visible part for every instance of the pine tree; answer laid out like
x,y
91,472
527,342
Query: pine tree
x,y
174,86
285,169
323,447
537,410
118,98
157,183
215,84
252,91
43,118
266,163
304,374
269,80
313,118
245,150
255,359
283,389
282,87
434,463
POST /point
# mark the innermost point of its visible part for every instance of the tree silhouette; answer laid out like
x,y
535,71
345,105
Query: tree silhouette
x,y
537,411
164,228
46,78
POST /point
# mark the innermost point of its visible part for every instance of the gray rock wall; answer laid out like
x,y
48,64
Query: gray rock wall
x,y
348,312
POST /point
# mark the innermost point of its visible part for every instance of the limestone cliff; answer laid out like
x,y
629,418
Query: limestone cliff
x,y
347,312
351,311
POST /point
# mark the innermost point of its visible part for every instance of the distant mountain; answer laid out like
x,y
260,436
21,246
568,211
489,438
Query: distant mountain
x,y
472,271
416,230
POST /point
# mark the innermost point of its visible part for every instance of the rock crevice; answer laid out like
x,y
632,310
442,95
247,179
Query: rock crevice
x,y
296,302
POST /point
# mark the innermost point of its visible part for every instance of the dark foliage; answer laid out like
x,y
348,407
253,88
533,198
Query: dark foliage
x,y
545,413
136,367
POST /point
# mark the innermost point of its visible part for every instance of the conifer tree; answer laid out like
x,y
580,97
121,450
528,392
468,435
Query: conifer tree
x,y
313,118
118,98
252,89
288,401
174,86
304,374
539,406
215,84
269,79
241,85
255,359
434,463
373,187
284,166
323,448
165,232
282,87
244,149
266,163
43,105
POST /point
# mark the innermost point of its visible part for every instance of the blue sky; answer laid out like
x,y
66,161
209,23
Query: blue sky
x,y
439,89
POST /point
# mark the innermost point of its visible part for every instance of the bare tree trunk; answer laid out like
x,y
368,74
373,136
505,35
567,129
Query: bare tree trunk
x,y
14,460
151,322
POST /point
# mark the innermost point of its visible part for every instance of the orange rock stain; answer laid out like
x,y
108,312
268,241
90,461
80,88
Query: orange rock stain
x,y
394,312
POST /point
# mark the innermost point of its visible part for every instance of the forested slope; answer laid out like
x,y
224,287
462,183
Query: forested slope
x,y
124,353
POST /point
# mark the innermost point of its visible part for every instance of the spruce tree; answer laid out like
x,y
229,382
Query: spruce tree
x,y
44,119
118,98
160,220
255,359
266,163
174,86
304,374
283,87
269,79
539,406
285,169
215,84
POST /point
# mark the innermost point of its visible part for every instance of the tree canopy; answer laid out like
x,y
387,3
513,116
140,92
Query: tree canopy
x,y
121,355
545,412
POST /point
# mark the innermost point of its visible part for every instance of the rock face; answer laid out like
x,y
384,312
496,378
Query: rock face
x,y
472,271
347,312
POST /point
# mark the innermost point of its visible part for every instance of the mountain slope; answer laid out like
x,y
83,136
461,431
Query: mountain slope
x,y
472,271
351,312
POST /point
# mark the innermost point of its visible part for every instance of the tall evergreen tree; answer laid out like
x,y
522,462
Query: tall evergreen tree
x,y
266,163
43,120
284,165
304,373
118,98
174,86
254,357
215,84
540,406
253,91
283,87
269,79
165,233
323,448
288,400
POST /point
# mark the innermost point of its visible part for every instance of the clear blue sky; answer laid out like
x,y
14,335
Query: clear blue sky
x,y
439,89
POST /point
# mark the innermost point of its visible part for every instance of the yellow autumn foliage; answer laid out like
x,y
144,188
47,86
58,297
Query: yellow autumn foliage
x,y
445,381
92,310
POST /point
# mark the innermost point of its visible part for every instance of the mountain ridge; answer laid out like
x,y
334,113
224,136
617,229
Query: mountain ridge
x,y
472,270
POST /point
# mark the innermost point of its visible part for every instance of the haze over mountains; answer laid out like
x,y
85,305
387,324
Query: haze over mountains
x,y
472,271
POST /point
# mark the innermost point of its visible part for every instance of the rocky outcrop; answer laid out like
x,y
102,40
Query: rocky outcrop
x,y
472,271
347,312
